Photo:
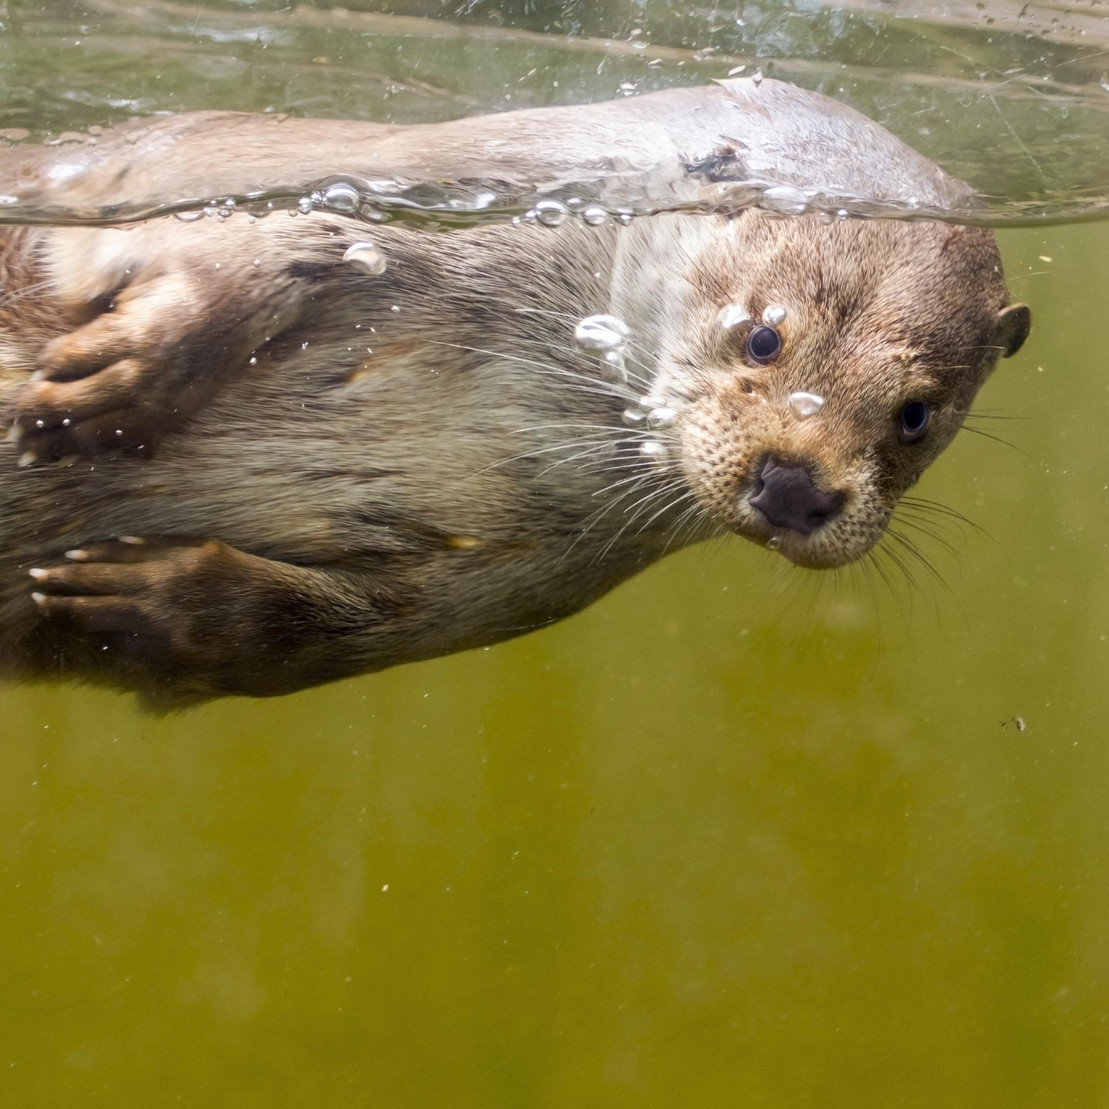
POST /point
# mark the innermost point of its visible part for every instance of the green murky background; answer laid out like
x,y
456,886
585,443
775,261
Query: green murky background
x,y
737,835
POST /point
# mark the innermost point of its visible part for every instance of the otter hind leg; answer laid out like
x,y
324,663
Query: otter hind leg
x,y
182,621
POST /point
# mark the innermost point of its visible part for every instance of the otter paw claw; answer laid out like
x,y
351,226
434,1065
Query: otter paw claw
x,y
139,594
105,587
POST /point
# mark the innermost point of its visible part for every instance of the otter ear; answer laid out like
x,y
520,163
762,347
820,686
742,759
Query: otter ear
x,y
1013,325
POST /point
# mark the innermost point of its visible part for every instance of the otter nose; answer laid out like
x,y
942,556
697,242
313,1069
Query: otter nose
x,y
787,497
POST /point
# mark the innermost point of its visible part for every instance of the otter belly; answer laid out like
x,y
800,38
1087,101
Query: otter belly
x,y
356,496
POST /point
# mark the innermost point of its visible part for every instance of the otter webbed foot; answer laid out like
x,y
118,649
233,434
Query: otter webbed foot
x,y
183,621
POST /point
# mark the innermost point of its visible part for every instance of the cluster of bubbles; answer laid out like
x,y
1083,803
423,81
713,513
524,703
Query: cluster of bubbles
x,y
802,405
554,213
607,337
340,197
213,209
374,201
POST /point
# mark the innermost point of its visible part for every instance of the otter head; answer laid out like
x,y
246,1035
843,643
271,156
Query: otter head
x,y
815,369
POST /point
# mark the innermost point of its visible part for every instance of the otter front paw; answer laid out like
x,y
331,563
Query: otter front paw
x,y
121,380
161,315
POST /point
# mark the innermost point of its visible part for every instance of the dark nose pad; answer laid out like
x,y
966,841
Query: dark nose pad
x,y
787,497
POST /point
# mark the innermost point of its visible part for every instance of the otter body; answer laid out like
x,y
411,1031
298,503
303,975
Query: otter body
x,y
243,460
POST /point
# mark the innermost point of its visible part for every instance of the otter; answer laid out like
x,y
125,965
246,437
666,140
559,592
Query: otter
x,y
247,456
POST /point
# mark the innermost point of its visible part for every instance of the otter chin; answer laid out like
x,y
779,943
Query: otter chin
x,y
249,456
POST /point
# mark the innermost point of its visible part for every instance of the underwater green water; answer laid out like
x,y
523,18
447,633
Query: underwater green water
x,y
737,835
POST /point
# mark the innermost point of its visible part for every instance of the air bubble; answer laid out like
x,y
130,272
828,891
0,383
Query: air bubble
x,y
594,215
366,257
601,333
304,205
732,316
190,216
342,197
804,405
775,315
613,367
659,418
634,417
653,449
785,199
551,213
774,542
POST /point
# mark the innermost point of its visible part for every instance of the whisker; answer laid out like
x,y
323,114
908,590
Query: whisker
x,y
633,512
991,414
931,533
995,438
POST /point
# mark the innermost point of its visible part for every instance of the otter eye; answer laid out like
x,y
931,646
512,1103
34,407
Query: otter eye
x,y
764,344
913,421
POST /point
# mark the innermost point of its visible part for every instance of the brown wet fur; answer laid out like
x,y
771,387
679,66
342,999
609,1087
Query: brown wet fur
x,y
250,468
